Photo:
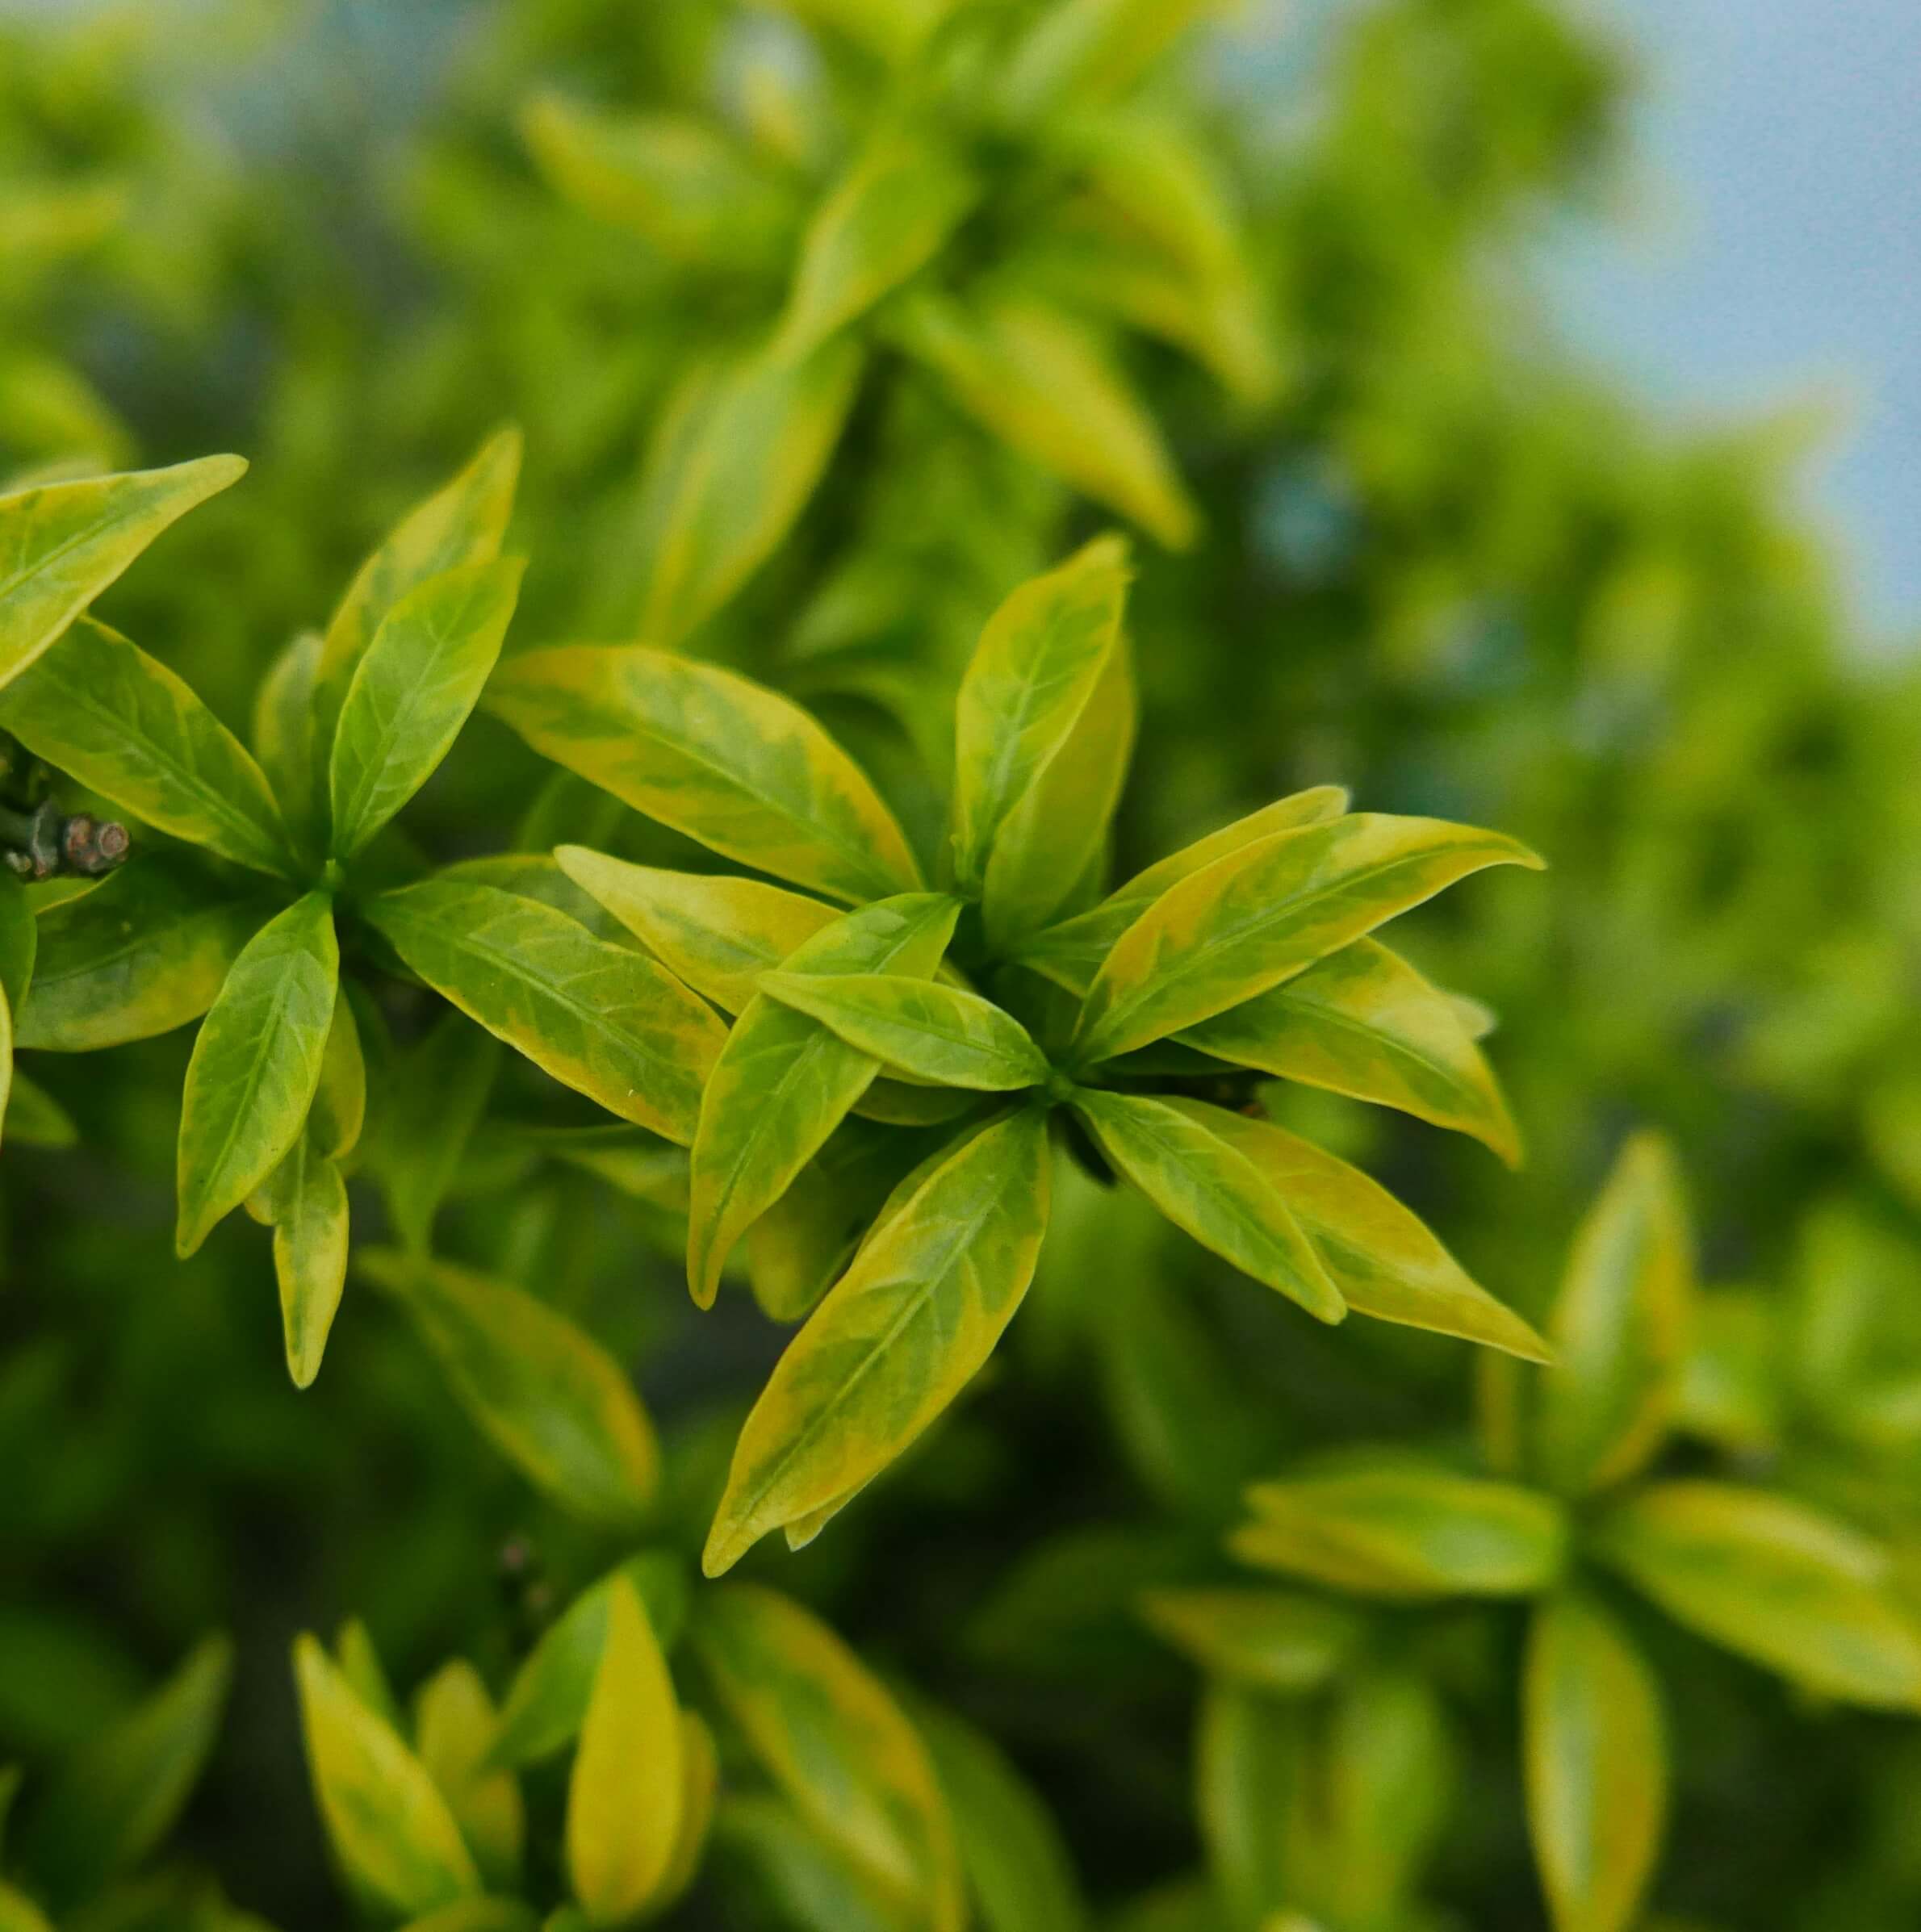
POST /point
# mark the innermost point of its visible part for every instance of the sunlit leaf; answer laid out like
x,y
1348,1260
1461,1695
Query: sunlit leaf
x,y
700,1792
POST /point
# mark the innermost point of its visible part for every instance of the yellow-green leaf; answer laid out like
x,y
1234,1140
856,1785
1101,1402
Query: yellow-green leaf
x,y
836,1744
1043,384
433,1100
1619,1326
1261,914
783,1082
34,1117
1364,1022
1386,1262
412,690
548,1394
19,1913
466,1915
1070,953
718,933
1776,1580
390,1827
1039,662
738,767
1595,1752
929,1031
119,721
1250,1754
625,1796
896,1339
601,1019
1403,1529
1279,1640
454,1728
887,218
305,1203
63,543
256,1065
700,1791
283,726
1088,51
815,1886
1182,1156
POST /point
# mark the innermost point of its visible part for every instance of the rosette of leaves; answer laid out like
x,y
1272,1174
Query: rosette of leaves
x,y
981,203
877,1129
1571,1507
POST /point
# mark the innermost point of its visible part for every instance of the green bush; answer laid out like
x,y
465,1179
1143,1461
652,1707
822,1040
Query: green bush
x,y
756,818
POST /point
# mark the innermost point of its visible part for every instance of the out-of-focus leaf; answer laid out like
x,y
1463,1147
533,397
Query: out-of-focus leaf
x,y
1278,1641
1248,1767
1091,50
283,726
814,1886
35,1119
436,1096
1775,1580
120,721
475,1915
454,1728
601,1019
359,1661
738,768
1595,1752
700,1792
548,1394
63,543
1619,1326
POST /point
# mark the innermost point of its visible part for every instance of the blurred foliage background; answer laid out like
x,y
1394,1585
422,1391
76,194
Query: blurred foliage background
x,y
1406,542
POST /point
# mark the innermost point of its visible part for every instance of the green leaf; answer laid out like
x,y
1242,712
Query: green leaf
x,y
1405,1529
1091,50
120,721
885,220
1055,837
256,1065
1070,953
1277,1640
360,1665
1385,1261
547,1701
389,1826
62,544
34,1117
115,1801
464,522
475,1915
1775,1580
929,1031
283,726
1018,1869
1040,660
837,1746
20,942
434,1100
738,768
411,691
700,1792
783,1082
1595,1751
550,1396
897,1338
1261,914
1364,1022
601,1019
1620,1326
305,1203
454,1726
624,1798
146,950
19,1913
718,933
1181,1156
1042,384
813,1885
1249,1767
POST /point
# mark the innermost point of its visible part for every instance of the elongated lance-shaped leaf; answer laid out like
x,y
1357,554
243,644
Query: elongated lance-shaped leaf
x,y
464,522
802,1875
738,767
1090,51
282,729
1038,663
1620,1326
700,1793
434,1102
932,1032
887,218
1261,915
1406,1529
601,1019
19,939
1595,1755
1280,1641
453,1726
1070,953
305,1203
1043,384
1384,1260
838,1746
1178,1156
256,1065
624,1799
411,691
897,1337
1364,1022
1776,1581
33,1117
64,543
547,1393
122,722
1250,1759
391,1829
718,934
783,1081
